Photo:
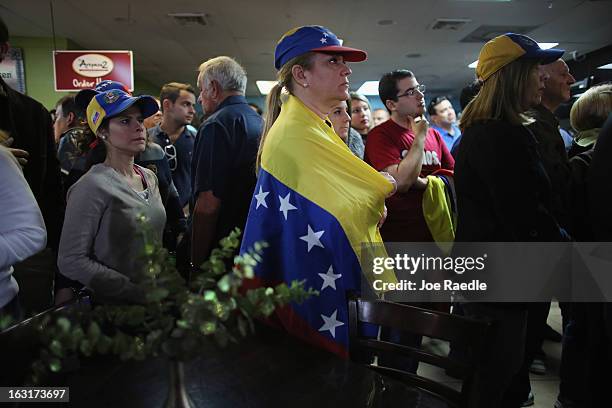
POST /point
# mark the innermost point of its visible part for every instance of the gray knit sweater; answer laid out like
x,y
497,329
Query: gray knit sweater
x,y
102,244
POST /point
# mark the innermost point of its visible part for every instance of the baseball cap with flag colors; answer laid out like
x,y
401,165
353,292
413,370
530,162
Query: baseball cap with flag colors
x,y
111,103
301,40
504,49
84,96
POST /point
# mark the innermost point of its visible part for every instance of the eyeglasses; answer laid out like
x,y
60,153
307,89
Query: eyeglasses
x,y
412,91
170,151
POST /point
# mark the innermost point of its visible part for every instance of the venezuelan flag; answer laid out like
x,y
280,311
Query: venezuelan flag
x,y
315,204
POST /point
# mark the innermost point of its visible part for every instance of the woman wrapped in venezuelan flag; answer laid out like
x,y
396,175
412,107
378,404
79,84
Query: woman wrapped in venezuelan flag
x,y
315,202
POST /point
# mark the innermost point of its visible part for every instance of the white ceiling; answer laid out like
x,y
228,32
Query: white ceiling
x,y
248,30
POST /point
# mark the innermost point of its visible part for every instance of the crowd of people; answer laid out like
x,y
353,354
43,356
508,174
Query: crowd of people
x,y
318,176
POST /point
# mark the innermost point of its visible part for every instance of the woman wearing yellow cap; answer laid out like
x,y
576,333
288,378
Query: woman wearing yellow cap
x,y
503,192
315,203
102,242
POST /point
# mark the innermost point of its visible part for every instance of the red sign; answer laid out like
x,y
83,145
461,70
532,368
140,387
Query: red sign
x,y
76,70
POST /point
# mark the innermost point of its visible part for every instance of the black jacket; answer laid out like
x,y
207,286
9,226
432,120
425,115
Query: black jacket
x,y
599,185
555,161
29,123
503,191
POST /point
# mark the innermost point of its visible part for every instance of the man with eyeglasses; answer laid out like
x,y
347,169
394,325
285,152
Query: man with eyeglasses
x,y
177,103
444,120
407,149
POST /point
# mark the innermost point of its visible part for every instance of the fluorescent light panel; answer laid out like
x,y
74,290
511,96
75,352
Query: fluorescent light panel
x,y
607,66
368,88
544,46
265,86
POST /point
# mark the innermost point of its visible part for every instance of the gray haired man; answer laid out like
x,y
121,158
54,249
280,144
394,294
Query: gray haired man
x,y
223,163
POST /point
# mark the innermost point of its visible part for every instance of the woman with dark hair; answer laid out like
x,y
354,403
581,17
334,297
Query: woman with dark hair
x,y
152,158
503,192
102,241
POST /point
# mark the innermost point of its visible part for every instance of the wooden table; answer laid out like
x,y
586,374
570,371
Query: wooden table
x,y
268,369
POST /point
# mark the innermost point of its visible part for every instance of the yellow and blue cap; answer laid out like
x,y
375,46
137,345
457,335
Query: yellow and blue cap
x,y
84,96
111,103
504,49
301,40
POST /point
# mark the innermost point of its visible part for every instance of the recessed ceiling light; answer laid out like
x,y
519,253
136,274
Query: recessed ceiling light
x,y
368,88
265,86
413,55
385,22
544,46
607,66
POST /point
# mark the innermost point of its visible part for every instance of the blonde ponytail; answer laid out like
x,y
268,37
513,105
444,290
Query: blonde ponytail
x,y
273,103
273,107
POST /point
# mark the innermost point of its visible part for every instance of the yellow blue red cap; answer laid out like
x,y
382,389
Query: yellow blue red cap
x,y
301,40
504,49
111,103
84,96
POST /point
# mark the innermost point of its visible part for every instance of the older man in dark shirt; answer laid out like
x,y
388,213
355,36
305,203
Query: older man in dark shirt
x,y
223,165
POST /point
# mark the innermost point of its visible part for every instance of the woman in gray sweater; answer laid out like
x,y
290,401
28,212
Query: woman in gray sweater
x,y
102,242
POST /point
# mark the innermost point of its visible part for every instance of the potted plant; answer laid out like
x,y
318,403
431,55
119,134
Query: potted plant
x,y
177,318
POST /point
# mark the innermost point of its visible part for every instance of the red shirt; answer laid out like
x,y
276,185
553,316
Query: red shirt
x,y
387,144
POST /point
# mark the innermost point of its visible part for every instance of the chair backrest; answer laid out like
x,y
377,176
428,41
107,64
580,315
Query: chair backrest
x,y
470,334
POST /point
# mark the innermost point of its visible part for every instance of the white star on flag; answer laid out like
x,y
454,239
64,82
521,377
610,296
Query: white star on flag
x,y
312,238
329,278
261,198
331,323
323,40
285,205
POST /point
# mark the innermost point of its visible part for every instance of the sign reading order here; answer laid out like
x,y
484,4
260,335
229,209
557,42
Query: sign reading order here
x,y
76,70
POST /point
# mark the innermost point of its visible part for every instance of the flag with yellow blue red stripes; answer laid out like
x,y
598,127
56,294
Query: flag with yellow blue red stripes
x,y
315,204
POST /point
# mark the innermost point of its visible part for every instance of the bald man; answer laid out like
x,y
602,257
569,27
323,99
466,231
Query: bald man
x,y
557,86
546,130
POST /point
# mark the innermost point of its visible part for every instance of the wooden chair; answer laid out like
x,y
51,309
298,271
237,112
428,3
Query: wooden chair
x,y
471,334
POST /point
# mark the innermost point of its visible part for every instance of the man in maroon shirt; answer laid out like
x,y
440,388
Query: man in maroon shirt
x,y
408,150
